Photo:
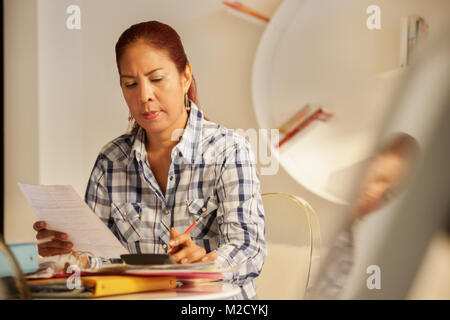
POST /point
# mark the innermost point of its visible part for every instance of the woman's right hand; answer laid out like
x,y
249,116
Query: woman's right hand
x,y
56,245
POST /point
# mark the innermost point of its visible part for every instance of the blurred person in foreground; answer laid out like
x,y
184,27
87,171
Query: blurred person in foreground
x,y
422,111
386,175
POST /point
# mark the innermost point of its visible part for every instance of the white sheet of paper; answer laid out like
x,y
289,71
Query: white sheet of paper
x,y
64,210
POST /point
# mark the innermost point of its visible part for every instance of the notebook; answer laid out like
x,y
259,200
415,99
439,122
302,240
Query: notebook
x,y
98,286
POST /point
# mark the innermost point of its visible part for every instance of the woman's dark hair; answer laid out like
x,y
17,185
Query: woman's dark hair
x,y
159,36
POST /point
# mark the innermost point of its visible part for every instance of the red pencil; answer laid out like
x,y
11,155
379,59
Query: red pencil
x,y
186,232
242,8
312,117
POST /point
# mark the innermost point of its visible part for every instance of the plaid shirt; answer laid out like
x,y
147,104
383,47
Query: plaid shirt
x,y
212,180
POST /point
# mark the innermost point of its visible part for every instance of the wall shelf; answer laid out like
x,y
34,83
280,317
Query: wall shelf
x,y
320,52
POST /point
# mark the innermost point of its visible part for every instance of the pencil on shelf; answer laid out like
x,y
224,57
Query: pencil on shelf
x,y
318,114
236,5
295,120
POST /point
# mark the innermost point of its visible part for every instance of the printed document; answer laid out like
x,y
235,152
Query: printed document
x,y
64,210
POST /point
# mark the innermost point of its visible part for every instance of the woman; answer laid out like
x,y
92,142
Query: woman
x,y
174,168
387,174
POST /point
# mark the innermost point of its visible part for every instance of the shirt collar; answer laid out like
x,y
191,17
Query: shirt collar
x,y
187,147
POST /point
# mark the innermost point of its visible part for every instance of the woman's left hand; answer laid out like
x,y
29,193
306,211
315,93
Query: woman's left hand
x,y
186,251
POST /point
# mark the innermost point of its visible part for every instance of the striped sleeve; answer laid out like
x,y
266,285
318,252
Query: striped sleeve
x,y
241,216
98,199
97,196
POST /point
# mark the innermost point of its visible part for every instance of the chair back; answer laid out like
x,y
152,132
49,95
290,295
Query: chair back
x,y
293,242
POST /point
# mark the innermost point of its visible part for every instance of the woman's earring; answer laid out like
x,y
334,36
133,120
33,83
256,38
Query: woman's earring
x,y
187,103
130,117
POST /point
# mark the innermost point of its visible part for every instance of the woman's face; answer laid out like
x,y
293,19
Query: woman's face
x,y
153,88
383,177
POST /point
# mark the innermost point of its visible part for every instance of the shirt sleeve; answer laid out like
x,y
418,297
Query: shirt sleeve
x,y
97,196
240,216
98,199
334,275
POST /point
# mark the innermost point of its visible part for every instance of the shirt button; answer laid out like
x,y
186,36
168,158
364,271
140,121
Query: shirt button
x,y
203,209
164,246
171,178
124,214
166,211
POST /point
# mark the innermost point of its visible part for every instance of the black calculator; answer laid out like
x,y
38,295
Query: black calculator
x,y
147,258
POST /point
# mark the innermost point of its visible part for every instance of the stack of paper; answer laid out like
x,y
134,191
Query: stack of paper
x,y
98,286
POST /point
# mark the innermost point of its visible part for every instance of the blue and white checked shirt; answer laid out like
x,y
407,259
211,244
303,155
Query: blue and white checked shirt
x,y
212,180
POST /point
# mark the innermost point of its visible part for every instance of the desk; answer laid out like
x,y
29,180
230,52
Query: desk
x,y
201,291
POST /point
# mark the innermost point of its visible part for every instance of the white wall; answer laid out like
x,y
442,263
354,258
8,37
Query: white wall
x,y
21,145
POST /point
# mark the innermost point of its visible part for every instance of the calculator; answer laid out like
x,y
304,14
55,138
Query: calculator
x,y
147,258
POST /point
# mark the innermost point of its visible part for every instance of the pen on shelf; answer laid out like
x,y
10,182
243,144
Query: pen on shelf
x,y
295,120
236,5
319,114
186,232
